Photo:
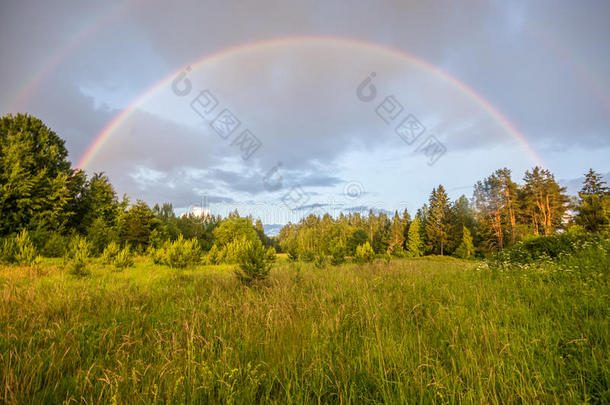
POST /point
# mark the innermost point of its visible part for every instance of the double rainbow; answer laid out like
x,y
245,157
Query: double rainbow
x,y
111,128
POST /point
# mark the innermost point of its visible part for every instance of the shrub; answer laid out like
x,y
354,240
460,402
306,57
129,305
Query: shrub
x,y
159,255
308,256
365,253
320,261
270,254
178,254
79,257
254,264
546,247
212,257
337,254
293,254
229,253
76,244
123,258
110,252
25,252
20,250
7,250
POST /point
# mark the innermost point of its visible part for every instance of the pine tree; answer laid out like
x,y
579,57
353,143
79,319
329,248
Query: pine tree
x,y
543,201
437,225
495,200
414,242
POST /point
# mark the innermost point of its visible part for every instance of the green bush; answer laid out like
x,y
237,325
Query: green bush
x,y
337,254
76,244
110,252
123,259
19,249
546,247
117,257
320,261
270,254
25,252
253,260
229,253
212,257
293,254
78,257
179,253
7,250
308,256
159,255
364,253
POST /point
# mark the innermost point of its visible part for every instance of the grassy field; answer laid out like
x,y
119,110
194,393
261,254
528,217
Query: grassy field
x,y
412,330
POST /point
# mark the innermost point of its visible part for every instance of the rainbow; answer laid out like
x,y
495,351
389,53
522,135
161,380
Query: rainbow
x,y
107,132
25,93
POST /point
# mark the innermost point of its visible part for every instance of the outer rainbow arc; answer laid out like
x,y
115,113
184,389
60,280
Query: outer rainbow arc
x,y
28,90
107,132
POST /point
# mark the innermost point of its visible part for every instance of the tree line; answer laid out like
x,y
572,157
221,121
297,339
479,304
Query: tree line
x,y
41,193
499,214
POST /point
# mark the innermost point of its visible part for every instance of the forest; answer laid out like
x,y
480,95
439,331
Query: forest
x,y
58,206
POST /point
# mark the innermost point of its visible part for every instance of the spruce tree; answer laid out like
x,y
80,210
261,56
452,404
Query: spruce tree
x,y
396,239
593,213
414,242
466,248
437,224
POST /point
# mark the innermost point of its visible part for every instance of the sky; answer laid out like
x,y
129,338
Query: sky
x,y
280,108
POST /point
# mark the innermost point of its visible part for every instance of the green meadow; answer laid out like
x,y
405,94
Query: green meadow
x,y
433,330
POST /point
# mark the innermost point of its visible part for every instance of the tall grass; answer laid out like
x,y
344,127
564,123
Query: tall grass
x,y
408,331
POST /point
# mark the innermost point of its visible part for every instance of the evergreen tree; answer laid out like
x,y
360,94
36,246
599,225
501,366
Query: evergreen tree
x,y
137,224
543,202
437,224
593,207
396,238
99,200
466,248
414,242
495,200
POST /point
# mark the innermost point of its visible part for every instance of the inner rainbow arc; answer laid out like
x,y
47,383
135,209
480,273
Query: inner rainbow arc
x,y
500,118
